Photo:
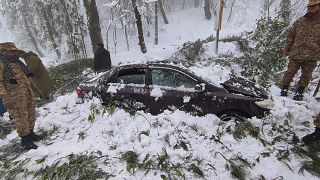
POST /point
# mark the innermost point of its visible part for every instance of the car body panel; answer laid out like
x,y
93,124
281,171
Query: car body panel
x,y
157,87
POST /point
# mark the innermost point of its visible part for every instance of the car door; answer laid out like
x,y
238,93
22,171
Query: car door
x,y
128,88
173,89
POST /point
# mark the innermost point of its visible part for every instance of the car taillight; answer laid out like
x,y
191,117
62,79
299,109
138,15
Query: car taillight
x,y
78,90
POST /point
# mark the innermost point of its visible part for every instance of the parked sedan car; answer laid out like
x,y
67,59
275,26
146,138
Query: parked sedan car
x,y
155,87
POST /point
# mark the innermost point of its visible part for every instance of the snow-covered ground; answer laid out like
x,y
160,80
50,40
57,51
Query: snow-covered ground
x,y
188,140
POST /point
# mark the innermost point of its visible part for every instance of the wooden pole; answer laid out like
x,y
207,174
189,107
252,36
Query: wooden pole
x,y
219,24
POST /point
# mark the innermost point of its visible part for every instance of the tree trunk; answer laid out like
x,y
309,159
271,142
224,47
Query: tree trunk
x,y
139,27
74,47
127,37
50,29
115,38
156,33
163,13
196,3
148,18
231,10
32,38
93,22
266,7
82,31
207,8
183,4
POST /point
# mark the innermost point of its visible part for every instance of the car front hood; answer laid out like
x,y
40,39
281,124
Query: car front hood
x,y
242,86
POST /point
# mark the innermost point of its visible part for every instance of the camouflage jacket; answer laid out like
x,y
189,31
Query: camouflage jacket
x,y
22,81
303,41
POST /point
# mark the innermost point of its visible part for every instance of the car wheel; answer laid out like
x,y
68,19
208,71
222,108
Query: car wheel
x,y
233,116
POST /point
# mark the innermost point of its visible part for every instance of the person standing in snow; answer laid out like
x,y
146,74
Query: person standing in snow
x,y
17,95
102,60
303,49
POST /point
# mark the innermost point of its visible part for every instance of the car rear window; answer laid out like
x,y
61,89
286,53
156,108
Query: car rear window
x,y
132,76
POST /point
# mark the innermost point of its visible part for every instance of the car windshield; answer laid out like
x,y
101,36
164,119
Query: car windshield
x,y
170,78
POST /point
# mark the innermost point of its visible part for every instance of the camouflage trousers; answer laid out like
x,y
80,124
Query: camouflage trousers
x,y
20,105
307,68
317,121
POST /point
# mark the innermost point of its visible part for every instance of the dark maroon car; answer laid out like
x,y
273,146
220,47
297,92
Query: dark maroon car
x,y
155,87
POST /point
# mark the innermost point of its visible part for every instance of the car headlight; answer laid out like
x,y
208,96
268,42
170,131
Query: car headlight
x,y
267,104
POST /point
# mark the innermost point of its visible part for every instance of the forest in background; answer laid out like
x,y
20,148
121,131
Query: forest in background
x,y
70,28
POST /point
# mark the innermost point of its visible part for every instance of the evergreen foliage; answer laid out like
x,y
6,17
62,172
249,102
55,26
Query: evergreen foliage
x,y
263,62
6,128
83,166
67,76
190,52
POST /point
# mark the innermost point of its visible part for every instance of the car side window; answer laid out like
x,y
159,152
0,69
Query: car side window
x,y
132,76
171,78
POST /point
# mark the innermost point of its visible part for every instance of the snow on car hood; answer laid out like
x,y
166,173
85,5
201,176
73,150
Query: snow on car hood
x,y
243,86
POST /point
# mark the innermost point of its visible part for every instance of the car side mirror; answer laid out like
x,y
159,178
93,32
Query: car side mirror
x,y
199,87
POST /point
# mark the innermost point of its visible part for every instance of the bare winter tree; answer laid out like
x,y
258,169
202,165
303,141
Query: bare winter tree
x,y
265,12
47,15
29,29
231,10
93,22
163,13
156,23
196,3
74,47
139,26
207,11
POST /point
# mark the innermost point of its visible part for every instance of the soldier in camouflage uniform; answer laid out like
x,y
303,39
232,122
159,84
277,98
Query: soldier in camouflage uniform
x,y
16,91
303,49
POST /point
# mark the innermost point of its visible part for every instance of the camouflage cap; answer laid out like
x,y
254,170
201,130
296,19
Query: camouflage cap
x,y
9,46
313,2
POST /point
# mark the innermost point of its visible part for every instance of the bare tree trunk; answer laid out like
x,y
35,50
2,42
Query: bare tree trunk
x,y
139,27
82,34
93,22
207,8
196,3
74,47
148,17
156,40
163,13
32,38
183,4
50,29
115,38
231,10
124,26
107,36
266,7
127,37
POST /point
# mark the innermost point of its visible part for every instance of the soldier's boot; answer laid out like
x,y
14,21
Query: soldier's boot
x,y
34,136
27,142
284,90
315,136
298,96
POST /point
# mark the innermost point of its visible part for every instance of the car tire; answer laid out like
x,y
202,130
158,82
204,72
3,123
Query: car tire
x,y
233,116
